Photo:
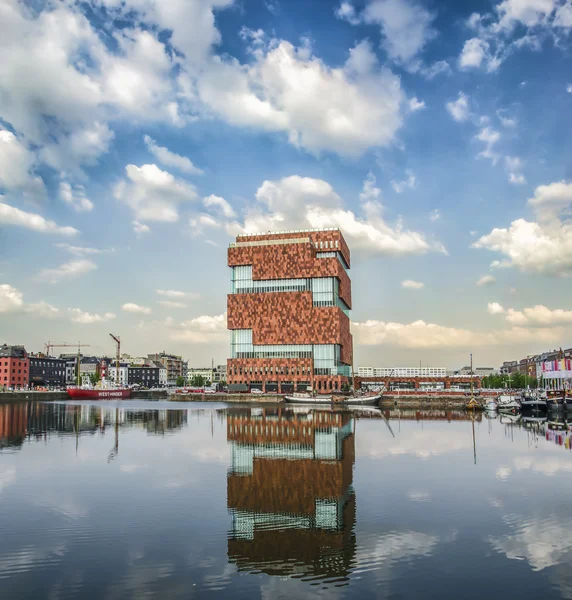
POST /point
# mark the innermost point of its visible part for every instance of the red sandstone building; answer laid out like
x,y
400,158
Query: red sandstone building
x,y
288,311
14,367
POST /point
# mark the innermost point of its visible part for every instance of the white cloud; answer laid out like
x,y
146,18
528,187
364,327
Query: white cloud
x,y
513,25
220,204
82,250
171,304
474,52
347,12
345,110
409,284
494,308
513,165
405,26
135,308
153,194
486,280
459,109
16,168
437,68
177,294
12,301
409,183
489,137
140,228
506,121
83,146
9,215
75,197
302,202
201,330
69,270
79,316
420,334
539,316
415,104
170,159
435,215
569,88
542,246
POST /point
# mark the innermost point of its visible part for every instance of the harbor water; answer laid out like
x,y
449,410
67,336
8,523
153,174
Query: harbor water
x,y
178,500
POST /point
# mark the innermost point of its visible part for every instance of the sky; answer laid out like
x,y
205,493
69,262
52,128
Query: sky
x,y
139,137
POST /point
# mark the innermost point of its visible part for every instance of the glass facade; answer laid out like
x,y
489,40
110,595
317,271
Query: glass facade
x,y
325,290
327,360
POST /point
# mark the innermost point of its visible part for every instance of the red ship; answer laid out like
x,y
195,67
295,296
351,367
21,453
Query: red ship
x,y
83,393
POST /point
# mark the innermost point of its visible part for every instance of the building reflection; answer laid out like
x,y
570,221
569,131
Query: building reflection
x,y
289,491
37,420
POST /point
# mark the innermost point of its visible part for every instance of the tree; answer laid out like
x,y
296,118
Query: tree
x,y
180,381
94,377
198,381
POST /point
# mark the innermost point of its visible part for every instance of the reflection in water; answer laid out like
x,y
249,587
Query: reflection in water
x,y
289,491
132,500
35,420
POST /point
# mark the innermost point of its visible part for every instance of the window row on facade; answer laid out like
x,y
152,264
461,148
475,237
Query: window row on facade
x,y
325,290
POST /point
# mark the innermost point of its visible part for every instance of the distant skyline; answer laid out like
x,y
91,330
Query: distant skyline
x,y
138,137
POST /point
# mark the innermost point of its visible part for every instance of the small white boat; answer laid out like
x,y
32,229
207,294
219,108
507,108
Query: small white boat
x,y
491,405
507,403
302,398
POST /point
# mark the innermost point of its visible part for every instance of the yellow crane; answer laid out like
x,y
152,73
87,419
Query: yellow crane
x,y
117,341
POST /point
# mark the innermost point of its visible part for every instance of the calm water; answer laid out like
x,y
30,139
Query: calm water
x,y
160,500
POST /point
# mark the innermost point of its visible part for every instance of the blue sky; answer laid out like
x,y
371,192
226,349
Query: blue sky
x,y
138,137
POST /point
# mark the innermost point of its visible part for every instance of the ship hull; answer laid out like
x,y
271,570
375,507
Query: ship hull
x,y
83,394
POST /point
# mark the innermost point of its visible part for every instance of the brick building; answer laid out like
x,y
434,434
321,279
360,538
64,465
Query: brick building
x,y
288,311
14,367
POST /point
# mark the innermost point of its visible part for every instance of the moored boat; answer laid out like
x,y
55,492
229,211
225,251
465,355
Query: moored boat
x,y
357,400
532,401
491,405
555,399
507,403
302,398
85,393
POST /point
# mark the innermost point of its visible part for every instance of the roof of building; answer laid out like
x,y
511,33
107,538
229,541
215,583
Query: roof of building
x,y
288,231
13,351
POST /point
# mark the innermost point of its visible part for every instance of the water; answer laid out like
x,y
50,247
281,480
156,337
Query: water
x,y
160,500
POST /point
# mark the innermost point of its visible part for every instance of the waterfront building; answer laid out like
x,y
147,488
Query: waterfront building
x,y
402,372
14,367
171,362
144,375
288,311
219,374
89,365
207,373
122,372
306,527
47,371
162,372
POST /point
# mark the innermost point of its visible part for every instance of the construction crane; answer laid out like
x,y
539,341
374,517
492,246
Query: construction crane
x,y
79,346
49,345
117,357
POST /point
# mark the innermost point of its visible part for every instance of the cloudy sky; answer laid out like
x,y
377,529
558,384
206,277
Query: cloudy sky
x,y
137,137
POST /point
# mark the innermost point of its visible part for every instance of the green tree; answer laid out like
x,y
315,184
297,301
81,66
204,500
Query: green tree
x,y
94,377
198,381
180,381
